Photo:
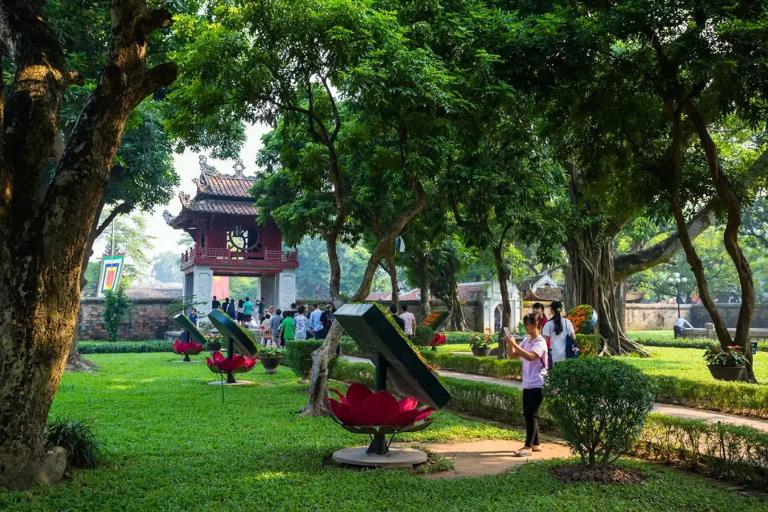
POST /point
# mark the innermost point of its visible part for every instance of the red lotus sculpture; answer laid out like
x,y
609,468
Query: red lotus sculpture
x,y
238,364
361,407
187,348
437,340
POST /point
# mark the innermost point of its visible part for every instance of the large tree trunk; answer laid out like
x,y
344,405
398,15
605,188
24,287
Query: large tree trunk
x,y
503,273
733,207
392,271
322,357
425,292
44,226
334,283
456,320
590,276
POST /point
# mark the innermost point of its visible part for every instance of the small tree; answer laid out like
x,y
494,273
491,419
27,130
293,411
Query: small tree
x,y
600,405
116,309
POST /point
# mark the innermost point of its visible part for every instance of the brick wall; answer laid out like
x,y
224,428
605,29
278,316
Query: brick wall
x,y
646,317
147,319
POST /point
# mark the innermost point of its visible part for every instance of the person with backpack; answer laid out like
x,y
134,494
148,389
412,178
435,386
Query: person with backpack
x,y
532,351
557,332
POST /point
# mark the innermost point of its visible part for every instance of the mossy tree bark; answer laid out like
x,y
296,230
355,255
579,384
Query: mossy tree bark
x,y
45,224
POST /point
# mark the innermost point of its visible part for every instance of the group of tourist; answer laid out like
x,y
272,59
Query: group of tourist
x,y
242,311
279,326
546,343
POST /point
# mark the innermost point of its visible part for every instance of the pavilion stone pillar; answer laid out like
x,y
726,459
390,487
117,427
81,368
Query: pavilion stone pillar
x,y
268,290
287,288
202,288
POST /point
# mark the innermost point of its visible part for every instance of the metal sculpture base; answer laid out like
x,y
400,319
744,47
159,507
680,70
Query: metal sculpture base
x,y
394,458
238,383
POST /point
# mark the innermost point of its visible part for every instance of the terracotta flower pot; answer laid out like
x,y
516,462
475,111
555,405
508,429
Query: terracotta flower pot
x,y
481,352
727,372
271,363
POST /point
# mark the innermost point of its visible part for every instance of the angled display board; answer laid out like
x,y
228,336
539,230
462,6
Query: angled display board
x,y
379,337
186,324
229,328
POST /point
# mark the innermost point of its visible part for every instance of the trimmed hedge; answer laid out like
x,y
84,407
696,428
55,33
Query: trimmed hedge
x,y
124,347
732,397
701,343
488,366
732,452
726,451
298,356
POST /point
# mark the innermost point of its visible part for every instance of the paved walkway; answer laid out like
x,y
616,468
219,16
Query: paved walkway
x,y
669,410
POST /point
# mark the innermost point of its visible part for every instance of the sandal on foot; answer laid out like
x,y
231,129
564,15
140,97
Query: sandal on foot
x,y
536,449
525,452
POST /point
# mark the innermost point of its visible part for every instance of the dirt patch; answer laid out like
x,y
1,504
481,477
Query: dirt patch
x,y
599,474
488,457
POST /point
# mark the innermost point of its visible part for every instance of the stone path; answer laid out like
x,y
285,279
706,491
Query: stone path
x,y
667,409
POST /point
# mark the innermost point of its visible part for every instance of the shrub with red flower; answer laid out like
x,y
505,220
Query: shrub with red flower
x,y
361,407
238,364
438,339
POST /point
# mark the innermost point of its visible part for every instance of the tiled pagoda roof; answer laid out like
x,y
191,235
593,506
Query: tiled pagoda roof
x,y
227,194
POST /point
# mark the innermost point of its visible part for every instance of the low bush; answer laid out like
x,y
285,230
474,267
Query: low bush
x,y
731,452
589,344
702,343
83,449
459,337
298,356
423,336
488,366
124,347
733,397
349,347
599,405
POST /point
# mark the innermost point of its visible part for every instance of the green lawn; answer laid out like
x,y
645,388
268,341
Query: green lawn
x,y
687,363
172,445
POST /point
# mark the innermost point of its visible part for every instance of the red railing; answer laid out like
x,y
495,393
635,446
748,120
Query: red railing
x,y
211,255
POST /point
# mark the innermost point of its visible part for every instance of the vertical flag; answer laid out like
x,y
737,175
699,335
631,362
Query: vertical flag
x,y
111,271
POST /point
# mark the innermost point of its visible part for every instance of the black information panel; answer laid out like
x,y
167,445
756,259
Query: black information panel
x,y
229,329
186,324
377,335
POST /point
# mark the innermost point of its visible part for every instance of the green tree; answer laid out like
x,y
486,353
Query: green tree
x,y
636,92
142,175
165,267
47,213
116,309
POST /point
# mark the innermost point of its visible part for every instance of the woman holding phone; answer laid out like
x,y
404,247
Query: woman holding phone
x,y
532,351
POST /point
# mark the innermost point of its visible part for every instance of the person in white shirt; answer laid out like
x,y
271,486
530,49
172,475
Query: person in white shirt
x,y
681,324
555,331
408,319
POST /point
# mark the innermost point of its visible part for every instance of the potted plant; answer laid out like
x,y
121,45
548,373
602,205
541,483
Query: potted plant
x,y
480,344
726,364
270,357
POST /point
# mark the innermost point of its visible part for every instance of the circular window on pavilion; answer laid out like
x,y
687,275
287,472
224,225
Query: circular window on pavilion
x,y
242,239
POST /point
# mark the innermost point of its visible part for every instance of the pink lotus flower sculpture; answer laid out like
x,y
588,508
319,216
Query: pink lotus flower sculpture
x,y
187,348
238,364
361,407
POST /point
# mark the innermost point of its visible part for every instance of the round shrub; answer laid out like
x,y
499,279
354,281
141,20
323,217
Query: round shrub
x,y
423,335
599,405
298,356
83,449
